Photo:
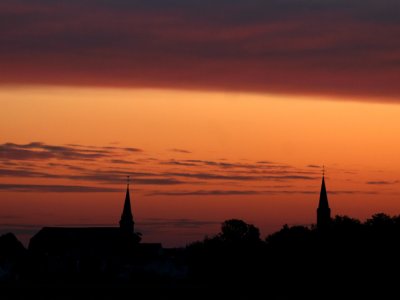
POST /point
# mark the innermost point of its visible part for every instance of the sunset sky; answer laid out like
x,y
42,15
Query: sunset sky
x,y
216,109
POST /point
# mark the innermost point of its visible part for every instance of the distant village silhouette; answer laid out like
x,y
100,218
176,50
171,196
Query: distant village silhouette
x,y
336,258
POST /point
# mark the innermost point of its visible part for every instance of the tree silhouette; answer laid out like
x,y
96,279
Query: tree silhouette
x,y
380,222
238,231
351,259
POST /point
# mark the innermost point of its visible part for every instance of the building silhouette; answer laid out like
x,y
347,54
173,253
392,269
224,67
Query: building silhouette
x,y
126,223
98,249
323,210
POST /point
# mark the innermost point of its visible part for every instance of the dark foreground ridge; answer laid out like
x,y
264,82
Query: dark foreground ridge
x,y
349,258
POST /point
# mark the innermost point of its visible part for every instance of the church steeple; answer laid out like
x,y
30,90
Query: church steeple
x,y
323,210
126,223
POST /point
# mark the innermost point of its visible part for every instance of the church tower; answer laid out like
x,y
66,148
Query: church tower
x,y
126,223
323,210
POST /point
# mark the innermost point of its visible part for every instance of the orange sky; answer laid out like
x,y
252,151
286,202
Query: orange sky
x,y
203,157
217,110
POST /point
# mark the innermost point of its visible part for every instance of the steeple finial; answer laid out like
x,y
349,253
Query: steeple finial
x,y
323,170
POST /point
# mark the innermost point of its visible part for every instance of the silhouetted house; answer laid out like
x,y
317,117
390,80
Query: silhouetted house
x,y
94,249
323,210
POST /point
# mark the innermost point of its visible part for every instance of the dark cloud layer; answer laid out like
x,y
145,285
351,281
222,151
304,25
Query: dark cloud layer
x,y
122,162
238,177
205,193
148,178
110,165
180,151
55,188
263,165
77,168
382,182
252,192
98,176
335,47
42,151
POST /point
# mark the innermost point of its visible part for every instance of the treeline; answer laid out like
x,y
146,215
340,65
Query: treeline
x,y
350,258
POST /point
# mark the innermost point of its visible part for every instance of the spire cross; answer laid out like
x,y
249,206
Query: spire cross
x,y
128,178
323,170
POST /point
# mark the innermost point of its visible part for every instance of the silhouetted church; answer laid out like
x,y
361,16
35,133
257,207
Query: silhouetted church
x,y
66,248
126,223
323,210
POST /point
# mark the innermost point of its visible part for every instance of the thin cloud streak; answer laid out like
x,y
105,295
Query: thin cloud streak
x,y
122,162
314,166
210,176
42,151
110,165
252,192
115,176
59,162
180,151
32,188
382,182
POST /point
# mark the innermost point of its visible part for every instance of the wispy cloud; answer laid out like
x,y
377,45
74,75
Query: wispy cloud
x,y
266,167
205,193
351,192
158,181
89,166
63,165
26,173
180,151
42,151
382,182
55,188
253,192
231,165
129,149
314,166
99,176
174,162
238,177
122,162
111,164
116,176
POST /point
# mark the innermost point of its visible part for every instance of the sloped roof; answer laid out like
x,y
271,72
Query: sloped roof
x,y
87,240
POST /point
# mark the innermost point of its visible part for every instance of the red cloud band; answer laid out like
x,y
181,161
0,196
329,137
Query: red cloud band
x,y
336,49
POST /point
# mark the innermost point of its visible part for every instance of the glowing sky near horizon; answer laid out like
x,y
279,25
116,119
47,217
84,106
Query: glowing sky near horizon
x,y
196,158
217,109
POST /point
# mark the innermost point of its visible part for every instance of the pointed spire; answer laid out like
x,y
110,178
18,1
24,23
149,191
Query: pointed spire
x,y
323,196
323,210
126,223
